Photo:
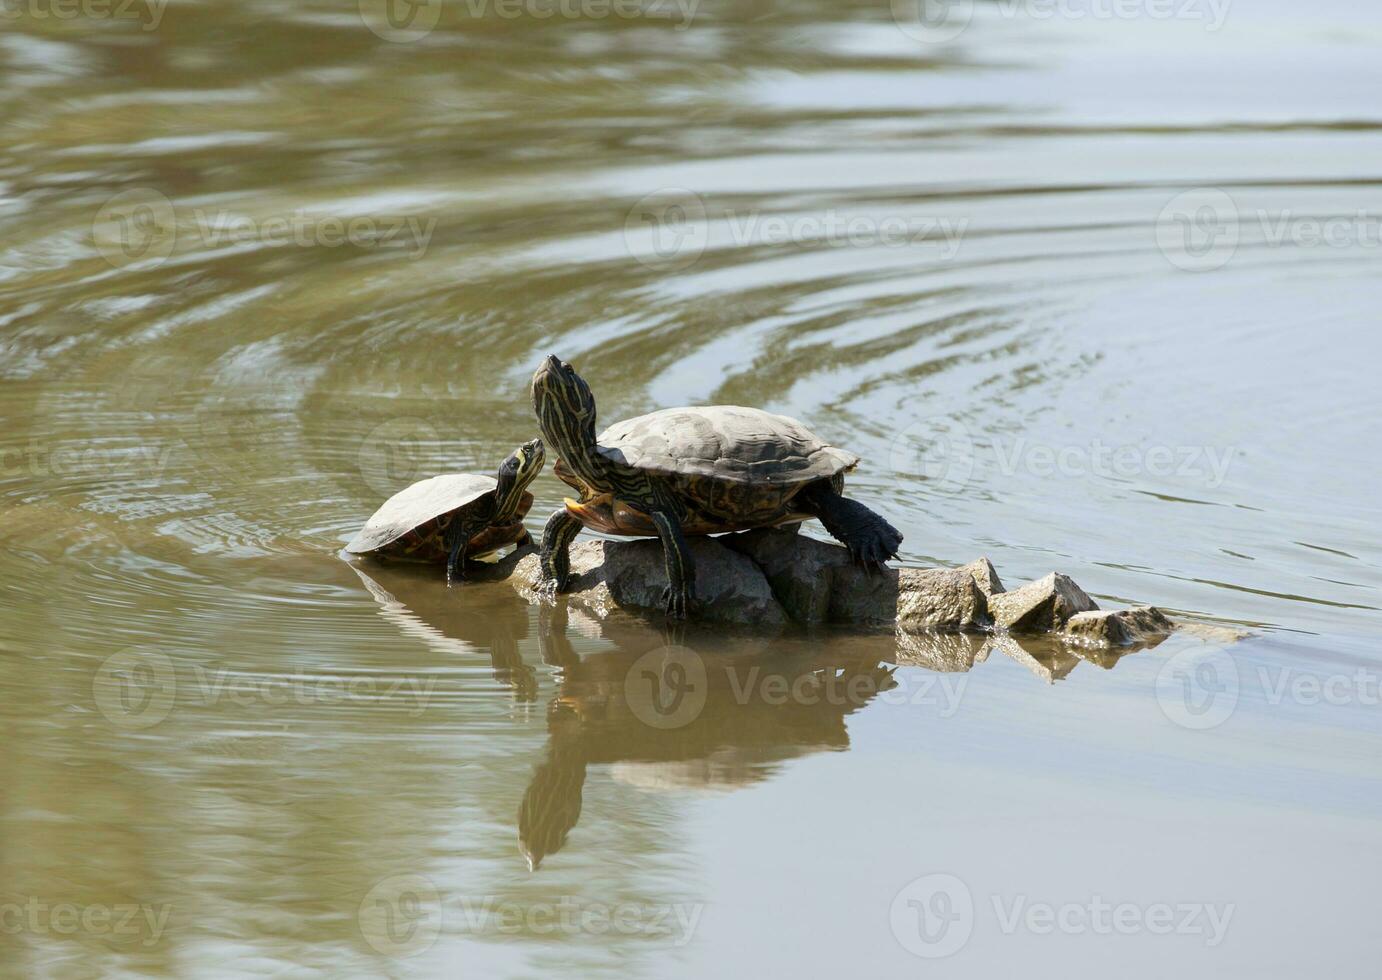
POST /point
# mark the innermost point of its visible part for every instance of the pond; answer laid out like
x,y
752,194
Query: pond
x,y
1089,287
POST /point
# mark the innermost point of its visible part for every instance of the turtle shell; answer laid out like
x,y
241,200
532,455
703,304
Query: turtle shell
x,y
724,442
412,523
733,468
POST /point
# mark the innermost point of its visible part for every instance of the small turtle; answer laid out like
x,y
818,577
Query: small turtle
x,y
691,471
455,516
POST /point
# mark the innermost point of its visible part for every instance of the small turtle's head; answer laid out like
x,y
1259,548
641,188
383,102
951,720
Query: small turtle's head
x,y
565,408
518,470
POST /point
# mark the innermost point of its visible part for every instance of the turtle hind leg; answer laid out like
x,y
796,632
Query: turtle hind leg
x,y
870,539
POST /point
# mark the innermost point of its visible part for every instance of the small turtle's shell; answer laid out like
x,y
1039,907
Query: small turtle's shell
x,y
412,523
724,442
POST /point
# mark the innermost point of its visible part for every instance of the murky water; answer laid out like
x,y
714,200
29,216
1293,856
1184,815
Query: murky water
x,y
1088,291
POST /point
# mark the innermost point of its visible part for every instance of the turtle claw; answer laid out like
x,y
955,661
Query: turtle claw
x,y
550,588
677,602
873,557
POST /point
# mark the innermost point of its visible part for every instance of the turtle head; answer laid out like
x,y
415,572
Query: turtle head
x,y
565,408
518,470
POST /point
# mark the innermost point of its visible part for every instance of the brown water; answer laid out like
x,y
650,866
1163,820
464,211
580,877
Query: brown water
x,y
964,256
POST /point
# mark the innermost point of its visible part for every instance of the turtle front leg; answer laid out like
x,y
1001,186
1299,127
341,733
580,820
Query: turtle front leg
x,y
679,595
458,537
871,540
557,535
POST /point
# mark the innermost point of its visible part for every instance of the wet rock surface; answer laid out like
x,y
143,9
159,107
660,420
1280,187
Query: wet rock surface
x,y
609,575
1117,627
770,577
1040,606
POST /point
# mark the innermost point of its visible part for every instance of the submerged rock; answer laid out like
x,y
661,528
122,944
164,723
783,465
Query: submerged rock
x,y
1040,606
1117,627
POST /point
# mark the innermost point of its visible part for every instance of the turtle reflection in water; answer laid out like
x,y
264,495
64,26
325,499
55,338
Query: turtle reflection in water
x,y
599,716
684,471
455,516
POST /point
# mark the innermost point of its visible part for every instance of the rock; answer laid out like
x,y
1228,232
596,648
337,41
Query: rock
x,y
939,599
1040,606
770,576
985,576
632,574
1117,627
817,582
800,570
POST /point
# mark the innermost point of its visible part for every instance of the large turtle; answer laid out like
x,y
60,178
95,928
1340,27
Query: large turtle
x,y
455,516
691,471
